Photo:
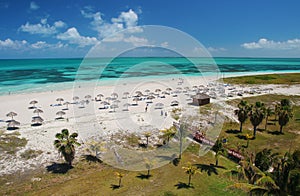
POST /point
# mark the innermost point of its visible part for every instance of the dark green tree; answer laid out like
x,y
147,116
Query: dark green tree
x,y
242,112
257,114
65,144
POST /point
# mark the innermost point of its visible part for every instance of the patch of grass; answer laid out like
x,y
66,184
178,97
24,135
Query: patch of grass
x,y
10,143
98,178
289,78
132,139
30,154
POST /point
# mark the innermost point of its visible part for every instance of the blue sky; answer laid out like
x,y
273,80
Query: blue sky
x,y
62,28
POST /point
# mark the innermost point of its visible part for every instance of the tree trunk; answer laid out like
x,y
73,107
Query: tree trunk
x,y
120,182
241,127
266,123
148,173
254,131
190,177
217,161
281,128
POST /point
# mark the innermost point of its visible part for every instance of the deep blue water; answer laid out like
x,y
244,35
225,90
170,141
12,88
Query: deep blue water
x,y
18,75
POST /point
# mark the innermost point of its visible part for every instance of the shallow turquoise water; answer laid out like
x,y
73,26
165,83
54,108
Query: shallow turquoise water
x,y
22,75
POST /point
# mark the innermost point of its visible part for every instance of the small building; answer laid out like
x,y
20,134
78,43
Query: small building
x,y
201,99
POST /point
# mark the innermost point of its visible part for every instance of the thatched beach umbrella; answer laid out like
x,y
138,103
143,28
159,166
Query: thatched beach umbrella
x,y
116,102
59,100
159,105
136,99
75,99
99,96
114,106
11,114
87,96
33,102
157,90
37,120
125,95
104,103
38,111
174,103
114,95
168,89
66,104
60,113
147,91
126,105
13,124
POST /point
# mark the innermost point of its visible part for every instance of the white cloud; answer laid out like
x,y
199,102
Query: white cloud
x,y
164,44
12,44
43,44
136,41
24,45
264,43
34,6
42,28
73,37
212,49
126,20
130,18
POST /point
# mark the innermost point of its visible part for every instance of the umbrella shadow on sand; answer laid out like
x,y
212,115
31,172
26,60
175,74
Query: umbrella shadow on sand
x,y
12,128
36,124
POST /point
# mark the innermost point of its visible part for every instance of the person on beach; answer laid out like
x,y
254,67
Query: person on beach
x,y
146,108
166,114
161,112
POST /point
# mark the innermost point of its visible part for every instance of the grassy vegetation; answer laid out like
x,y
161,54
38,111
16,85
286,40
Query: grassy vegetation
x,y
290,78
10,143
289,140
92,178
30,153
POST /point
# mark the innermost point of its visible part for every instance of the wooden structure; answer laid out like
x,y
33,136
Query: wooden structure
x,y
201,99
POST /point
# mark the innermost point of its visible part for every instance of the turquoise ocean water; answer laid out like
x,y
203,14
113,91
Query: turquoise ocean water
x,y
33,75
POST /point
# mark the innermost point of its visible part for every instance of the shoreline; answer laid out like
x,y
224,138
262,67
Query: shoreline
x,y
90,122
107,82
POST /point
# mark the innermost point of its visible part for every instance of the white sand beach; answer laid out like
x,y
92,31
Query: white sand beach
x,y
125,113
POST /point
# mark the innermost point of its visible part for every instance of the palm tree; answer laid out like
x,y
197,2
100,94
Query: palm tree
x,y
65,144
219,149
242,112
258,182
284,115
285,170
190,170
269,112
256,115
264,159
119,176
149,165
147,135
168,133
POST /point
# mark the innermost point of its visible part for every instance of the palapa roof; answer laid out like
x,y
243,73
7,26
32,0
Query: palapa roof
x,y
201,96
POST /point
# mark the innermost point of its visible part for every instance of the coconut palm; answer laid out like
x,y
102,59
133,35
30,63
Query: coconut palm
x,y
257,113
242,112
147,135
149,165
286,166
65,143
168,133
284,115
269,112
190,170
219,149
119,176
264,159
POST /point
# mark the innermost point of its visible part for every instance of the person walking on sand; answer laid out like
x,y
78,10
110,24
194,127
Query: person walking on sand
x,y
146,108
161,112
166,114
